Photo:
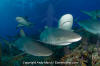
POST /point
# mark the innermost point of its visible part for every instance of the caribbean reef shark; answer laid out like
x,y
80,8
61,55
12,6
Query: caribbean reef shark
x,y
58,37
91,25
30,46
23,22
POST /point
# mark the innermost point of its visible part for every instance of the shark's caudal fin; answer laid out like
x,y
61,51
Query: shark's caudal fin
x,y
7,42
4,40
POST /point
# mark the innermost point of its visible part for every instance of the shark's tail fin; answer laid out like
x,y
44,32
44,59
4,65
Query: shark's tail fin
x,y
4,40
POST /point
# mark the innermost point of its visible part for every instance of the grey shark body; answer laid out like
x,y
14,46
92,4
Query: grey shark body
x,y
91,25
23,22
29,46
32,47
55,36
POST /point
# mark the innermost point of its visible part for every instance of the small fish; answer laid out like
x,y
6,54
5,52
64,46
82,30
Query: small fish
x,y
55,36
66,22
23,22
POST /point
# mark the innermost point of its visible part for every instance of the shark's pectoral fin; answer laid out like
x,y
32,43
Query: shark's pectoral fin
x,y
19,25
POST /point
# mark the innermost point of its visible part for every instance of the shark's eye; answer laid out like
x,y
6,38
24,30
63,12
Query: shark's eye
x,y
65,22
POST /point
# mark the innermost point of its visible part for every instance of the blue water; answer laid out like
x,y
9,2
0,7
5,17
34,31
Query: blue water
x,y
36,11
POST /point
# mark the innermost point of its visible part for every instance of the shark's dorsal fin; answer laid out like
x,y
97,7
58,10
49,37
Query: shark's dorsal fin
x,y
22,33
92,14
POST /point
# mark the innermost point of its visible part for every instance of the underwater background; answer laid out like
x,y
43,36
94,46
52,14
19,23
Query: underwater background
x,y
36,11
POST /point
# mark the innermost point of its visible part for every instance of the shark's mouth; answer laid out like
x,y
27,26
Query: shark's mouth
x,y
63,43
65,22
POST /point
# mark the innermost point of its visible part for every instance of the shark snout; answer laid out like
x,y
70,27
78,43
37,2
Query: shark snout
x,y
75,39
